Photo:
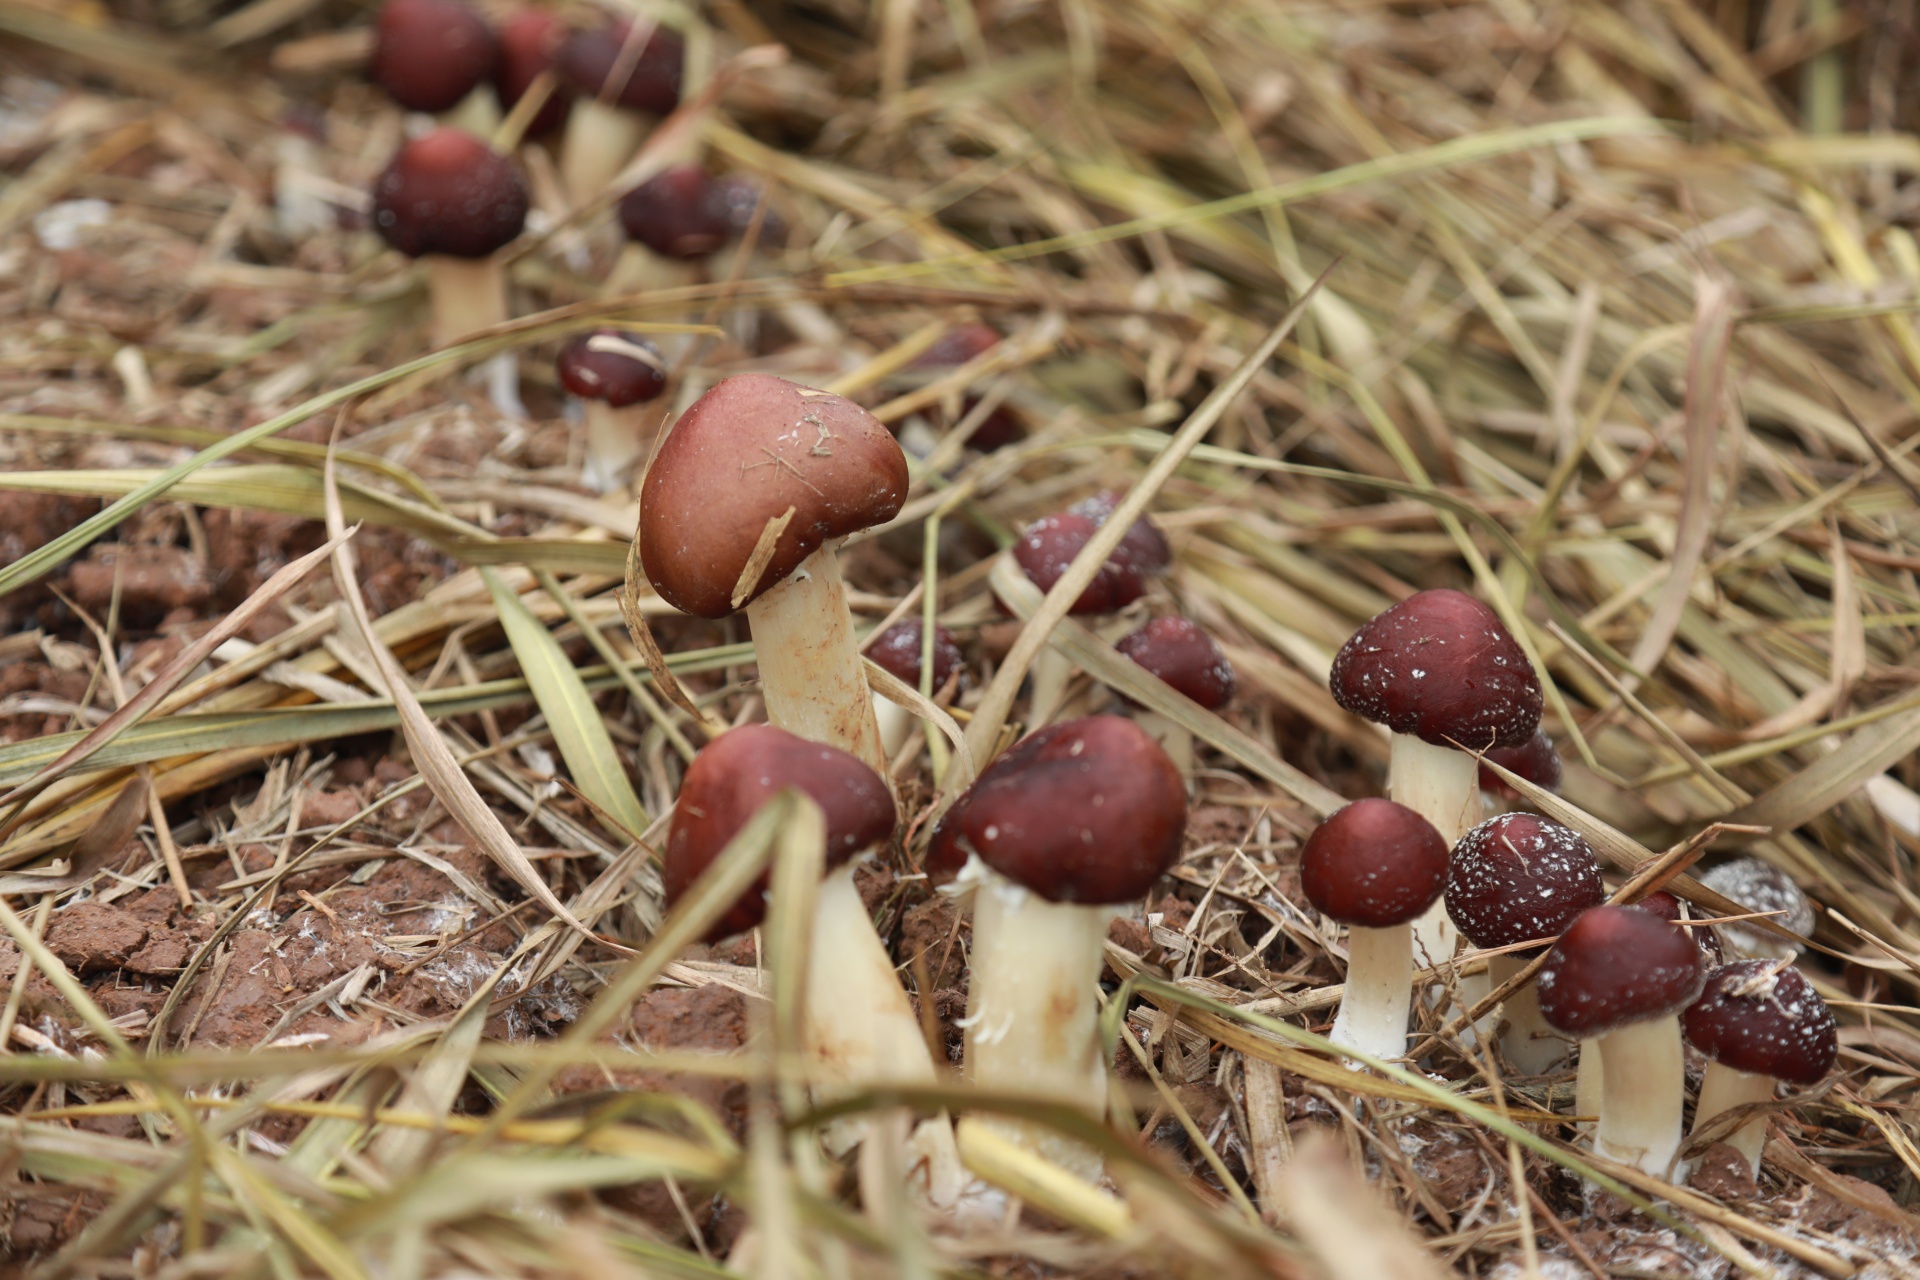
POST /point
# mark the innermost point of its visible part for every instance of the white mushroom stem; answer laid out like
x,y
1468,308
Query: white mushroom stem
x,y
1723,1089
1379,994
478,113
811,673
600,140
860,1031
616,440
1050,672
1032,1014
1642,1093
1533,1047
467,295
1588,1084
895,722
1443,786
1175,739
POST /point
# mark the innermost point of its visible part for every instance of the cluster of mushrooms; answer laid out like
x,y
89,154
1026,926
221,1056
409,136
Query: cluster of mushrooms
x,y
1081,816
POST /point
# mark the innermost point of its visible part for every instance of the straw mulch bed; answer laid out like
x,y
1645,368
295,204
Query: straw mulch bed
x,y
1615,328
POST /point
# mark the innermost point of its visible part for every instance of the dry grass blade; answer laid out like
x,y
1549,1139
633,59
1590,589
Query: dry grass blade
x,y
1337,1216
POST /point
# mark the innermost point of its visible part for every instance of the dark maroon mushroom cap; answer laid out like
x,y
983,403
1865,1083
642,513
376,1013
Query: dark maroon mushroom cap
x,y
1048,545
1374,864
674,213
1758,885
1535,760
429,54
529,42
1183,656
1144,546
898,649
1089,811
589,59
1518,877
737,773
735,198
613,365
958,345
1439,665
1667,907
448,192
1756,1017
1615,966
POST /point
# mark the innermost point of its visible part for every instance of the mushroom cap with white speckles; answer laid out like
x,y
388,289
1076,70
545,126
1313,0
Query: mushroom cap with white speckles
x,y
1758,885
1088,811
1616,966
1374,863
1185,657
741,455
1517,877
1756,1017
1440,666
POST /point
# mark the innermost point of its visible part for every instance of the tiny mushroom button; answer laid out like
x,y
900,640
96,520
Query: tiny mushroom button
x,y
899,650
1758,1021
1375,866
1187,661
744,506
619,376
1758,886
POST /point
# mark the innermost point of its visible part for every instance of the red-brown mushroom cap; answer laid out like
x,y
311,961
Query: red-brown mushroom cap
x,y
958,345
1374,864
448,192
1089,811
1440,666
1757,1017
1047,546
737,773
1143,546
1758,885
1615,966
748,451
1535,760
1518,877
735,198
675,214
1667,907
614,365
590,58
429,54
529,44
1185,658
898,649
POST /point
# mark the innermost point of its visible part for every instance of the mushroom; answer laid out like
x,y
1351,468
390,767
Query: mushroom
x,y
620,71
1068,823
1621,977
859,1028
901,649
529,45
1043,551
1535,760
1518,878
451,201
1758,1021
1374,866
619,376
677,213
744,505
1438,669
1187,660
1143,546
957,346
1758,886
432,56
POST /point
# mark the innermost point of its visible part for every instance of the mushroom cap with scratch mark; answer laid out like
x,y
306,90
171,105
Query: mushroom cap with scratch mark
x,y
749,450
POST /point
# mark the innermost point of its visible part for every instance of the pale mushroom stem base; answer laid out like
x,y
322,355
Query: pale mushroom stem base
x,y
600,141
467,295
1643,1073
1533,1047
1174,738
1032,1016
1049,674
896,724
1379,994
1443,786
616,440
1589,1082
811,672
1723,1089
860,1030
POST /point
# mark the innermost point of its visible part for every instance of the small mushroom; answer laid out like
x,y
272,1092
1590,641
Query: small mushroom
x,y
624,73
901,649
1535,760
451,201
529,47
1519,878
744,506
1759,1021
1758,885
432,56
619,377
1621,977
677,214
957,346
1144,546
1438,669
1052,836
1188,661
1043,551
1374,866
